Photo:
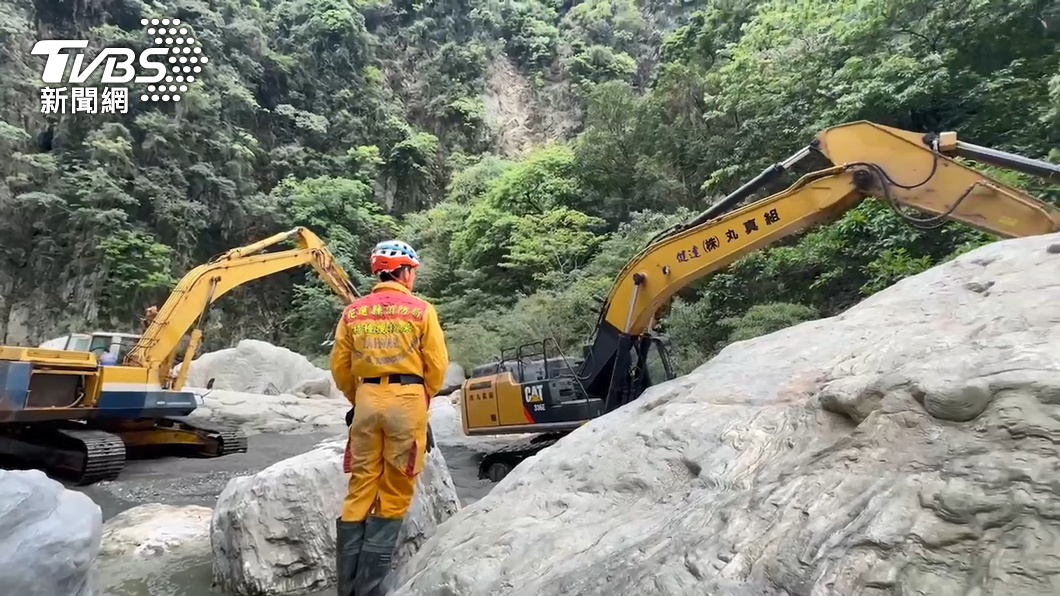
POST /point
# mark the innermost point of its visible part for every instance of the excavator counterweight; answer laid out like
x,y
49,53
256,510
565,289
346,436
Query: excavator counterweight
x,y
907,170
64,411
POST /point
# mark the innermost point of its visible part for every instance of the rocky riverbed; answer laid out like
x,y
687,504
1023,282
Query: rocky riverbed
x,y
185,484
908,445
169,495
232,525
190,481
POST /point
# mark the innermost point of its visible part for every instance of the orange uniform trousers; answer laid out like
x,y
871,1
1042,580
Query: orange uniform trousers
x,y
387,445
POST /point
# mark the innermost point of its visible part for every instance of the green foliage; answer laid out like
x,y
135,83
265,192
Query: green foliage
x,y
565,310
340,210
598,64
342,213
530,31
891,265
762,319
558,241
544,180
136,267
470,183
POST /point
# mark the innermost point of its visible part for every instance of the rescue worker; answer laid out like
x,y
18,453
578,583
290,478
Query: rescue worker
x,y
149,316
389,359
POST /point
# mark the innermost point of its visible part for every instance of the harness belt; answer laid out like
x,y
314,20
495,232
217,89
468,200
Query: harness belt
x,y
396,380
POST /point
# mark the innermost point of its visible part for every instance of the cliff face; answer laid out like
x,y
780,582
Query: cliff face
x,y
373,104
908,445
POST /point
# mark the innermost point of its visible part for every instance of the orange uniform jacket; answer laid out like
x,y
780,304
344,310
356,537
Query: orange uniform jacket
x,y
389,332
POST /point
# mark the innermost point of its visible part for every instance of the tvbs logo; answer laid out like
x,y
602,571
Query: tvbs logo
x,y
117,63
168,66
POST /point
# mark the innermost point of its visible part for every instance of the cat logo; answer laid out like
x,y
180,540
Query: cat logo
x,y
532,394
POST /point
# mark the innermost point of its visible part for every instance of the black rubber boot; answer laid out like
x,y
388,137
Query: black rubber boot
x,y
380,539
349,539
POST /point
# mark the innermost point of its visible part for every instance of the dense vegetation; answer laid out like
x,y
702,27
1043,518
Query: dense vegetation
x,y
527,148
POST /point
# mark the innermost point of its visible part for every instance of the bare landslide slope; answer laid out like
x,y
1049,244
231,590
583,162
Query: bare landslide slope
x,y
907,446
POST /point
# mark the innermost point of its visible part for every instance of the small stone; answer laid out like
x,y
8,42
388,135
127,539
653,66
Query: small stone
x,y
979,287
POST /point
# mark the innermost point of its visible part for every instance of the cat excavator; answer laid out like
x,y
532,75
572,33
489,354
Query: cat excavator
x,y
528,391
65,412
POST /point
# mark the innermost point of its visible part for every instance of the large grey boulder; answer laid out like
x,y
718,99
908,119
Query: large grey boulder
x,y
255,366
274,532
908,446
49,537
270,413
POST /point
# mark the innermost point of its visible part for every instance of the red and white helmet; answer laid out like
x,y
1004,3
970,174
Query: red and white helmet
x,y
391,254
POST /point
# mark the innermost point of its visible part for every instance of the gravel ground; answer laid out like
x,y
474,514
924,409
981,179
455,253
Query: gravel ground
x,y
194,481
463,459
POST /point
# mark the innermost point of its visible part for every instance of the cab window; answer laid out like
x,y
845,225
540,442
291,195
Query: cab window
x,y
656,364
127,344
100,343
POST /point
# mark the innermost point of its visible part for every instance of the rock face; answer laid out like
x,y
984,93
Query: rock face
x,y
49,537
259,367
907,446
274,532
153,529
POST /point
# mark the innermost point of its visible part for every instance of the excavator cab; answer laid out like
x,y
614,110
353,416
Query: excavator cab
x,y
645,361
118,344
535,388
97,343
654,361
532,362
78,342
531,386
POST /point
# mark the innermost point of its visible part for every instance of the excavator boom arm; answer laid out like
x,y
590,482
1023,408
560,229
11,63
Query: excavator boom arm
x,y
908,170
901,167
871,160
203,285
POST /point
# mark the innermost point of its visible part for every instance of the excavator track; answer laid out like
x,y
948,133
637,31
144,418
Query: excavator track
x,y
496,464
221,440
104,455
82,456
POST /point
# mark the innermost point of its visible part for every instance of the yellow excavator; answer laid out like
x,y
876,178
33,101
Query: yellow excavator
x,y
65,412
528,391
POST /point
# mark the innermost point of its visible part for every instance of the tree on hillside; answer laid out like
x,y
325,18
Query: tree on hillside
x,y
373,119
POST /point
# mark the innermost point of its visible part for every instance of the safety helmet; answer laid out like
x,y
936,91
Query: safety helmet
x,y
391,254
